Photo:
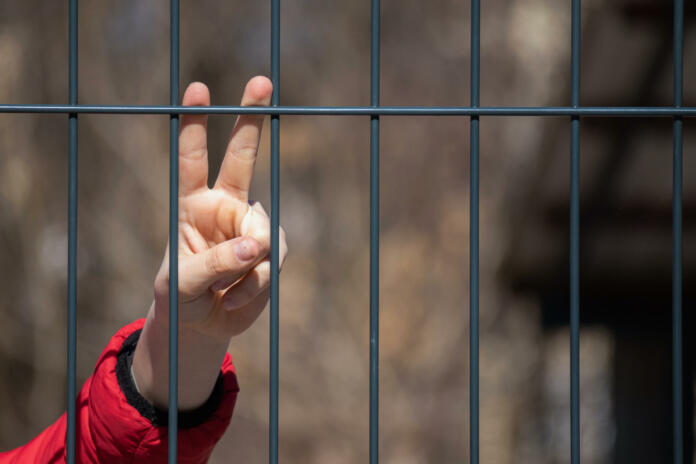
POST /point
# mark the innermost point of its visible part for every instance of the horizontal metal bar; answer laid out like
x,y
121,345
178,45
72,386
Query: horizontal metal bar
x,y
661,111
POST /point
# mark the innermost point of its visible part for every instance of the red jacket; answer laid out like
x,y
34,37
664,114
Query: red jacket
x,y
116,425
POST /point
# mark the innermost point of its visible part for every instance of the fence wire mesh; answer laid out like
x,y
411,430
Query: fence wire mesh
x,y
475,111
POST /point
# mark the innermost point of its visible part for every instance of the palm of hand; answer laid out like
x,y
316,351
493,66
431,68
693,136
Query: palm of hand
x,y
207,218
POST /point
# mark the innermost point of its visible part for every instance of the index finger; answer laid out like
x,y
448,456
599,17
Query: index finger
x,y
238,165
193,146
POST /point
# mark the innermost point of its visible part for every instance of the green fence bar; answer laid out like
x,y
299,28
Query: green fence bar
x,y
275,224
677,349
474,236
575,239
374,231
173,233
72,240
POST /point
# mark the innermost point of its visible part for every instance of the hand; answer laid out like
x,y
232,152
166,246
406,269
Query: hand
x,y
224,269
224,241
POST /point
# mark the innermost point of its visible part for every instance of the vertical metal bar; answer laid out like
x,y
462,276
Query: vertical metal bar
x,y
173,232
374,231
677,362
275,218
72,240
575,240
474,237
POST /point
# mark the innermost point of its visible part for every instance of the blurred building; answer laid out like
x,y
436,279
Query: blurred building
x,y
626,226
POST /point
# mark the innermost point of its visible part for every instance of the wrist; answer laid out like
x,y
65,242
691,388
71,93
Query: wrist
x,y
199,356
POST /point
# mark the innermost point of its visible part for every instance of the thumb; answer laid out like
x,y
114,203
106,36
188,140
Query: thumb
x,y
229,260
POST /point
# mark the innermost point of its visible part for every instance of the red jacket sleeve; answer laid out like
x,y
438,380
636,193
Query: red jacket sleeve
x,y
115,424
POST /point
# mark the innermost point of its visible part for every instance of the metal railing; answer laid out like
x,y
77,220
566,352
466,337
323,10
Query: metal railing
x,y
374,111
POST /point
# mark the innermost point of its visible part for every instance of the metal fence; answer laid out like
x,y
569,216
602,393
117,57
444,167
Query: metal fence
x,y
374,111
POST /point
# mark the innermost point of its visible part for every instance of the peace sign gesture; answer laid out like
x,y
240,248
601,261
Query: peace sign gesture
x,y
224,239
224,270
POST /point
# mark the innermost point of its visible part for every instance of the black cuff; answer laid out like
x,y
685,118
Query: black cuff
x,y
160,417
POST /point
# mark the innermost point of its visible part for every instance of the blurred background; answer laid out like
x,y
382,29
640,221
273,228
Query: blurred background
x,y
626,185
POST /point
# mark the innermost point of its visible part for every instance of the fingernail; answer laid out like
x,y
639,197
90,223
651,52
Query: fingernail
x,y
244,250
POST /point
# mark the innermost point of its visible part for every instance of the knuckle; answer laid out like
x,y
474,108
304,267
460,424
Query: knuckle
x,y
246,152
263,270
262,234
194,153
215,262
259,207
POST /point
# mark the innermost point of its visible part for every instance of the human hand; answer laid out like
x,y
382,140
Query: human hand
x,y
224,240
224,270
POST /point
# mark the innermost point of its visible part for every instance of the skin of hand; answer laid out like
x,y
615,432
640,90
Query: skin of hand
x,y
224,267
